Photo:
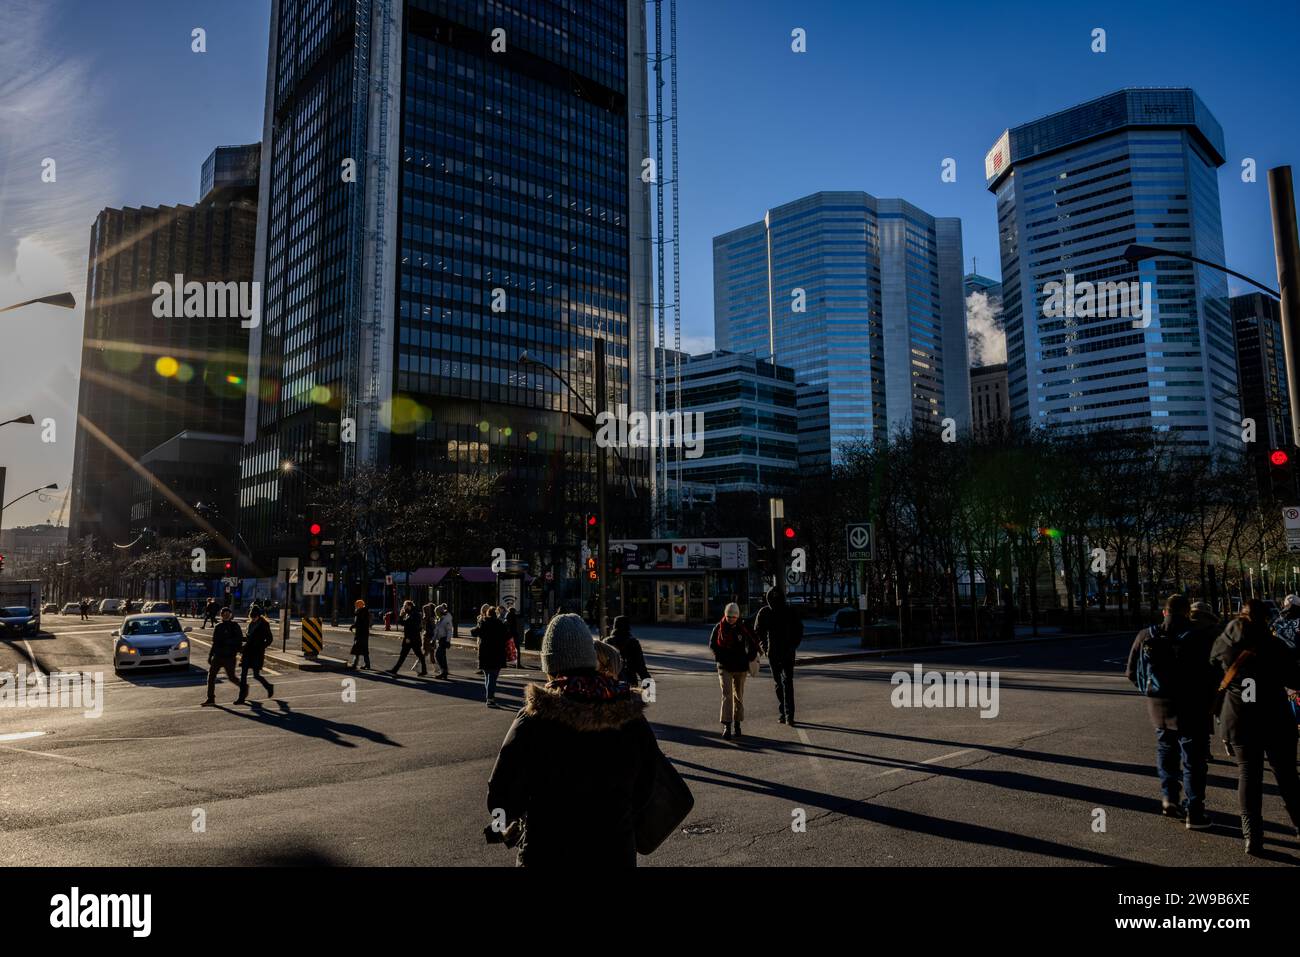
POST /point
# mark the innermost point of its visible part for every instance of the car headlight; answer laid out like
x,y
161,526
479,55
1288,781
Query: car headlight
x,y
183,645
124,649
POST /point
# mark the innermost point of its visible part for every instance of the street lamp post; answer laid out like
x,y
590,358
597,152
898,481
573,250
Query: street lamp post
x,y
64,300
603,561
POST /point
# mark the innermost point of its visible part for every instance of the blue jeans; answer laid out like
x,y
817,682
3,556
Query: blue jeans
x,y
1193,752
490,682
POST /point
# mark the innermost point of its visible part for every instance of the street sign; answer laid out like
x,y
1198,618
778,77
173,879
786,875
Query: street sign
x,y
287,562
293,575
861,541
1291,523
313,582
388,579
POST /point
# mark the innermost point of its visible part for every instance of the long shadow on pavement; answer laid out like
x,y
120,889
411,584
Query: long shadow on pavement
x,y
309,725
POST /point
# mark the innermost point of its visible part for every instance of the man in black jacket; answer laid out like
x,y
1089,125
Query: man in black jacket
x,y
254,653
227,639
1180,700
780,629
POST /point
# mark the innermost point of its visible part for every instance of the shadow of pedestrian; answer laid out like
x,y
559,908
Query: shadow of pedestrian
x,y
309,725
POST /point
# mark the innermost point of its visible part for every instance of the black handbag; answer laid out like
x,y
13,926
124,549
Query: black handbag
x,y
670,802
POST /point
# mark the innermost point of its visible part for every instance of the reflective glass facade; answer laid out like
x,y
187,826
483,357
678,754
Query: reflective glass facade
x,y
1073,190
880,342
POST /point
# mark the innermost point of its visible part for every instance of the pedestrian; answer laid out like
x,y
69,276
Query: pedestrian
x,y
209,614
734,647
515,633
428,624
85,609
253,657
1287,624
1255,715
779,630
227,638
410,622
608,661
361,635
491,634
634,667
443,632
1167,663
578,766
1204,618
482,613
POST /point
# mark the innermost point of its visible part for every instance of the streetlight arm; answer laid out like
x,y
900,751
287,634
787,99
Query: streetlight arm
x,y
53,486
1137,252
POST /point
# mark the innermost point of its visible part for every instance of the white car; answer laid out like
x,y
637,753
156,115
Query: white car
x,y
150,641
71,608
110,606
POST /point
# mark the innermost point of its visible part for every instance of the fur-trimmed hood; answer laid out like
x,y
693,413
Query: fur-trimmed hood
x,y
550,704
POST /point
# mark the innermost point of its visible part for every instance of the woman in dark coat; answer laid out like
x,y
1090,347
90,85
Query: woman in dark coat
x,y
253,655
634,666
409,619
1258,725
734,646
491,634
361,632
578,766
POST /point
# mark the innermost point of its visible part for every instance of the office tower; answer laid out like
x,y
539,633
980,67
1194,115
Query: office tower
x,y
1261,372
445,186
747,407
862,297
231,169
988,399
988,343
1073,190
146,377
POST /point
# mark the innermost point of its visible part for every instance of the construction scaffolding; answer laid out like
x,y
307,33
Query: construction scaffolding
x,y
667,370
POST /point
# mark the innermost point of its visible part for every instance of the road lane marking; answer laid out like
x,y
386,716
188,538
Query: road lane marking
x,y
20,735
820,771
936,760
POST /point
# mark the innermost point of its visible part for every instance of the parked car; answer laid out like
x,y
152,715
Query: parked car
x,y
156,607
150,641
49,608
844,618
110,606
18,620
71,608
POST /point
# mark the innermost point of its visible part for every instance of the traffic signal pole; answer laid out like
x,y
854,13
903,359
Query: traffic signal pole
x,y
603,560
1286,244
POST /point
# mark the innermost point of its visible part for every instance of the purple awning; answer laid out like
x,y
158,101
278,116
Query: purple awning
x,y
477,574
427,576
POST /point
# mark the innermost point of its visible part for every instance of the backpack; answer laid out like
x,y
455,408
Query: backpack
x,y
1157,664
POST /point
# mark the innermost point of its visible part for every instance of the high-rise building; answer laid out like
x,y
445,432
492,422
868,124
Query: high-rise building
x,y
1261,371
749,440
231,168
1073,190
988,343
862,297
157,360
988,398
446,185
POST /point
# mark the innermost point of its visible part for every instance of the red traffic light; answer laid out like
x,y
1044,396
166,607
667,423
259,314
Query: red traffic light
x,y
789,531
227,566
591,521
314,528
1279,457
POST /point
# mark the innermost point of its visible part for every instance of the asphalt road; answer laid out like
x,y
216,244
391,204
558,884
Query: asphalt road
x,y
398,775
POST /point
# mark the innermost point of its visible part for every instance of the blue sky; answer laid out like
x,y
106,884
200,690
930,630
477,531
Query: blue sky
x,y
885,92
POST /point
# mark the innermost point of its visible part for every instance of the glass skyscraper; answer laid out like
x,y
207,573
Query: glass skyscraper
x,y
1073,190
496,206
862,297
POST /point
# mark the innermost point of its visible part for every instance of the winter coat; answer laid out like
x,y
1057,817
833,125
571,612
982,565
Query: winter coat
x,y
410,622
1187,706
1273,667
733,646
255,645
445,630
227,638
361,629
491,635
778,627
634,666
577,767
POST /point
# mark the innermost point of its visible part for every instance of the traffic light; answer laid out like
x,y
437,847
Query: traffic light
x,y
591,568
1278,457
2,563
789,533
227,566
1281,477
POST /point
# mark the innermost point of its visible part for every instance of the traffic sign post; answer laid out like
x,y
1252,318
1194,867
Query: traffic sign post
x,y
1291,524
860,538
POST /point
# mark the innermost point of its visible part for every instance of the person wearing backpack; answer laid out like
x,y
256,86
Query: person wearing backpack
x,y
1255,715
779,630
1168,663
